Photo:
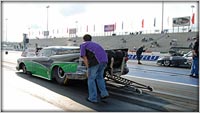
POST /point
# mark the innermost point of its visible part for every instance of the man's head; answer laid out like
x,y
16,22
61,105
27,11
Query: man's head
x,y
87,37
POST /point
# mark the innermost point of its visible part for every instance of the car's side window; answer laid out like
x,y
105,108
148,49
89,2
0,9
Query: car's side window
x,y
45,52
53,52
50,52
68,51
62,51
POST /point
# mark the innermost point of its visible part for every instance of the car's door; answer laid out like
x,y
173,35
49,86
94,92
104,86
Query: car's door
x,y
42,63
188,56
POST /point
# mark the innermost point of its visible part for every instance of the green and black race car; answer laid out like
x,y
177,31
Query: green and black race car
x,y
63,63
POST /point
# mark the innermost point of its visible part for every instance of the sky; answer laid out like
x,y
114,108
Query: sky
x,y
31,17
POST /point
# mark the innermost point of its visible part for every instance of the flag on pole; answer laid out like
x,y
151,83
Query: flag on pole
x,y
122,25
154,23
142,23
87,28
193,18
115,26
168,20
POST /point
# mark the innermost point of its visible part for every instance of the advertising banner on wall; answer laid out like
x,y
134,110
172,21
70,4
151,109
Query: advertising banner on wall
x,y
181,21
72,31
109,28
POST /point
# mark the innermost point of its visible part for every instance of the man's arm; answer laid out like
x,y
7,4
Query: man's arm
x,y
85,60
193,50
144,49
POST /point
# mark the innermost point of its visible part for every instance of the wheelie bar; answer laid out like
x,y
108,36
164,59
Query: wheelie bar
x,y
128,83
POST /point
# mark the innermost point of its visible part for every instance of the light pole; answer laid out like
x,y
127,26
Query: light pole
x,y
76,27
162,16
47,32
6,34
192,6
29,32
6,29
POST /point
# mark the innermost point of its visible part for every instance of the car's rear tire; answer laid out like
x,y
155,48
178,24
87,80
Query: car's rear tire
x,y
60,76
166,63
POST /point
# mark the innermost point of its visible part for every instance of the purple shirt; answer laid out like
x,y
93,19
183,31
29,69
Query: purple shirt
x,y
95,48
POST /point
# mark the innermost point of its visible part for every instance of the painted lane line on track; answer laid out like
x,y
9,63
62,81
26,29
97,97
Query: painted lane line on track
x,y
156,71
161,80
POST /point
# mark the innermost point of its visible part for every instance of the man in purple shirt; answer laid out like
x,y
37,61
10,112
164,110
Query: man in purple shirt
x,y
95,58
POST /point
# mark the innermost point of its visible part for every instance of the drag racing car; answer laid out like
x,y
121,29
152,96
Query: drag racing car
x,y
63,63
176,60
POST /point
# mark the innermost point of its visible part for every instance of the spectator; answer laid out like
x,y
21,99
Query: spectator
x,y
188,39
191,45
170,43
150,39
144,39
95,59
157,45
195,57
139,53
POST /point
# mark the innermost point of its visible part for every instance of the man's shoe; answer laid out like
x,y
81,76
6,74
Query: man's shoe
x,y
104,97
194,76
191,75
91,101
139,63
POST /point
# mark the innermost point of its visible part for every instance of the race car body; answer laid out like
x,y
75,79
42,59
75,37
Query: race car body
x,y
63,63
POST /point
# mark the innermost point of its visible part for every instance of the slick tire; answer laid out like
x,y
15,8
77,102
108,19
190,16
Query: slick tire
x,y
59,76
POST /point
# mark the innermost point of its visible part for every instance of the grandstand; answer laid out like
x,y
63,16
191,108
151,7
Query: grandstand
x,y
162,41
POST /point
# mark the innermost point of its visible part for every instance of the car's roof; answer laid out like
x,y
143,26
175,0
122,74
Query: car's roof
x,y
62,47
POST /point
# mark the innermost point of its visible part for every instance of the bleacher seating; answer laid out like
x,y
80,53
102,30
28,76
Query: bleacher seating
x,y
123,41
